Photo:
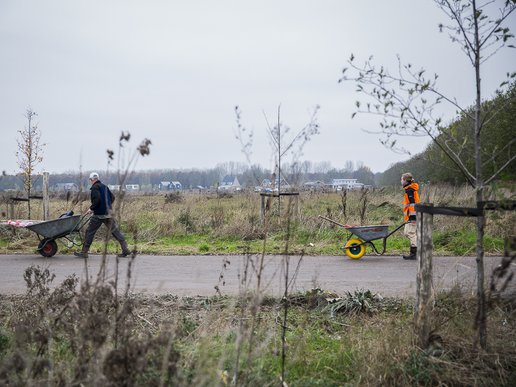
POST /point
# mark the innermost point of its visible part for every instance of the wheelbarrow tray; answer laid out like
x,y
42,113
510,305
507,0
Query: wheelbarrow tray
x,y
369,233
56,228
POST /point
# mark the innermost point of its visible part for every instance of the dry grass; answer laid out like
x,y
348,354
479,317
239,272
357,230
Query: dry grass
x,y
69,337
155,220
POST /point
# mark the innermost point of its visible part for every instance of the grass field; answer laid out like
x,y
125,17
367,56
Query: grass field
x,y
230,224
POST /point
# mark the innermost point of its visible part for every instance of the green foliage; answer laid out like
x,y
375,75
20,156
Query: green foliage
x,y
418,369
360,301
204,248
4,342
497,137
463,242
174,197
185,218
332,361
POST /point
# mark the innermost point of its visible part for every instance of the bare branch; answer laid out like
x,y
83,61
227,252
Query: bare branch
x,y
455,13
270,131
500,169
246,143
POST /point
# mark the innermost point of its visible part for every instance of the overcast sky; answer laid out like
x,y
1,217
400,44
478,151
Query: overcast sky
x,y
172,71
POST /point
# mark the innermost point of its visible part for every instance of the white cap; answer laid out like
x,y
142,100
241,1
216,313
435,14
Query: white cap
x,y
94,176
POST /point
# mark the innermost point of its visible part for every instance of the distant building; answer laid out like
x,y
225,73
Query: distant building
x,y
282,183
268,186
164,185
176,186
114,187
66,187
230,183
315,185
170,186
132,187
340,184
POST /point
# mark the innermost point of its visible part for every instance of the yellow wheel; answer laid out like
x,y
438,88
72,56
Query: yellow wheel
x,y
354,248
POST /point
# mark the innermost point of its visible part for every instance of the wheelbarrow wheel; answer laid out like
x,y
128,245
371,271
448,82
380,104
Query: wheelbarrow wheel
x,y
354,248
47,247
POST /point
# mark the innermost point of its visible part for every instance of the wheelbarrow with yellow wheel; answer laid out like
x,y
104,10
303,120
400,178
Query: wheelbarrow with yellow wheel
x,y
355,247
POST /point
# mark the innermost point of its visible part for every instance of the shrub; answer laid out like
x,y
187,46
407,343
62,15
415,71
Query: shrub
x,y
174,197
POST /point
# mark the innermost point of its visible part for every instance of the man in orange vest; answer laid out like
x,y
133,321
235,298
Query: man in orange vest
x,y
410,199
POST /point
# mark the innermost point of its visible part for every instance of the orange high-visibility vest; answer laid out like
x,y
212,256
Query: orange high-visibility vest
x,y
409,209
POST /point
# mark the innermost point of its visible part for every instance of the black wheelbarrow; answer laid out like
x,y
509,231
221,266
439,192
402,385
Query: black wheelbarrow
x,y
355,247
67,227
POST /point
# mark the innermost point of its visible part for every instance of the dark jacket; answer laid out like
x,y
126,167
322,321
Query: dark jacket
x,y
101,199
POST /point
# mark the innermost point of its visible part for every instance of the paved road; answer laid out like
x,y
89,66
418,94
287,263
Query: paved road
x,y
198,275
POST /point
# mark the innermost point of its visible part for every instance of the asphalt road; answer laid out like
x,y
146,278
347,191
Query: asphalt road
x,y
199,275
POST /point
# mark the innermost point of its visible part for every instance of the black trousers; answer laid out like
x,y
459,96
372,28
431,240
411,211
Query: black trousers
x,y
95,224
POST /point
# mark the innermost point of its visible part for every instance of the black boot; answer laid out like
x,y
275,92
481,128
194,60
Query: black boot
x,y
81,254
412,256
125,250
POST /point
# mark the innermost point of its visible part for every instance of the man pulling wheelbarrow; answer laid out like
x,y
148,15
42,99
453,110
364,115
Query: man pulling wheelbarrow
x,y
101,201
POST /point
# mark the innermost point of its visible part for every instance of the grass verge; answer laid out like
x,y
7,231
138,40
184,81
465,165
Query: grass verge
x,y
358,338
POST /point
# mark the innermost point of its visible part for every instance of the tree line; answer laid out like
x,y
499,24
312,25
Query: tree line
x,y
248,175
498,141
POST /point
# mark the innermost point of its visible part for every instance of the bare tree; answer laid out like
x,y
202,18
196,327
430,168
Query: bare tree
x,y
282,141
282,146
406,102
30,153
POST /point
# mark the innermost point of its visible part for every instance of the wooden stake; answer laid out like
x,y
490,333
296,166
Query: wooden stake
x,y
46,200
424,280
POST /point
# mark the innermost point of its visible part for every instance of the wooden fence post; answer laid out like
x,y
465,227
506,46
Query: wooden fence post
x,y
296,207
46,201
10,211
424,280
262,209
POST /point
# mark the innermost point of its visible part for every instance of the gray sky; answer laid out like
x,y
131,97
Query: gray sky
x,y
172,71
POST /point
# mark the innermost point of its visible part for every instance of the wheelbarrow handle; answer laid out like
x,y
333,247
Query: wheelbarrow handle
x,y
332,221
396,229
82,222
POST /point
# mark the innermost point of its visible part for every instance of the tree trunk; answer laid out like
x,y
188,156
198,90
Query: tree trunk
x,y
28,199
344,196
481,320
